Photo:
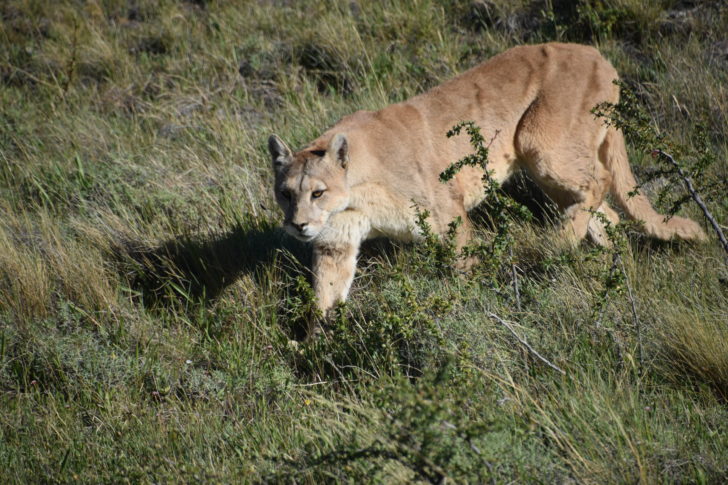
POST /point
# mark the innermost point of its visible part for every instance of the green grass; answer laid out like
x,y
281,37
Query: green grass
x,y
149,302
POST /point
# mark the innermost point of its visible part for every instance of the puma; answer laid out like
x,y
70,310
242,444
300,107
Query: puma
x,y
366,175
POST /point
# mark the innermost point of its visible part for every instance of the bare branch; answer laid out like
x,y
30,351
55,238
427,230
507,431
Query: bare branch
x,y
604,296
696,197
525,344
514,271
635,319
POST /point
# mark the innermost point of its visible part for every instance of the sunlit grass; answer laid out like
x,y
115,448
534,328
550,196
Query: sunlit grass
x,y
148,302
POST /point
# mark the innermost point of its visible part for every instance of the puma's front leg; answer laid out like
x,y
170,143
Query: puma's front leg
x,y
463,233
334,257
462,239
333,271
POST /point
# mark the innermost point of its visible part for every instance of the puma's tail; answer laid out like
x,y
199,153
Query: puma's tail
x,y
614,155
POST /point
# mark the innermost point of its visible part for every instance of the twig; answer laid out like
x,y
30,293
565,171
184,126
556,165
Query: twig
x,y
635,320
515,280
525,344
319,383
616,259
71,67
696,197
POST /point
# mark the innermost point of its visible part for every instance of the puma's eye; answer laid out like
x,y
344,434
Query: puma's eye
x,y
286,194
316,194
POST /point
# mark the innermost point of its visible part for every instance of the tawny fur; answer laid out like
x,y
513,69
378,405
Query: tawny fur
x,y
364,176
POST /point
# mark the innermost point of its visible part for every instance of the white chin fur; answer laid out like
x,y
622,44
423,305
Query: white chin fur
x,y
306,236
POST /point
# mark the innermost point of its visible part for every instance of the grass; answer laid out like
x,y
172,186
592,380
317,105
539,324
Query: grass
x,y
149,302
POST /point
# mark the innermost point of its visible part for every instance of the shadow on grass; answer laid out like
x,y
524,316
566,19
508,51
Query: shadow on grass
x,y
200,267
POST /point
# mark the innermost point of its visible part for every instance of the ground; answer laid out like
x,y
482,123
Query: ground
x,y
150,305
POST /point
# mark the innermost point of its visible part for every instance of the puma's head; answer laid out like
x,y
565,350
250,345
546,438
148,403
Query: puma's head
x,y
310,185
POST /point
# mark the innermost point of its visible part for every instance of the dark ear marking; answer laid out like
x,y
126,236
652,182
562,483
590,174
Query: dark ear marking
x,y
339,149
279,152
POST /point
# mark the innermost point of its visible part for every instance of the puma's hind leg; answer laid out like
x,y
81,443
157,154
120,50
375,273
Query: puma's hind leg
x,y
577,183
596,230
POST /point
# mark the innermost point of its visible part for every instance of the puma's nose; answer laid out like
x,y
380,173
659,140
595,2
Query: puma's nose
x,y
300,227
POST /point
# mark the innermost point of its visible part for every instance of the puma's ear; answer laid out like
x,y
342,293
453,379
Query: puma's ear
x,y
279,152
339,149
